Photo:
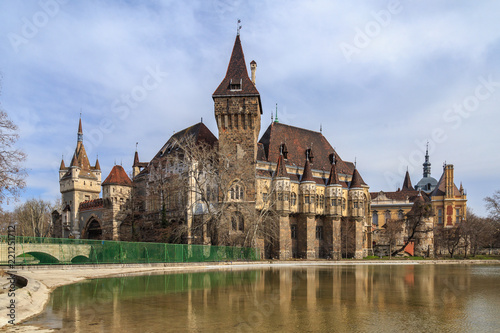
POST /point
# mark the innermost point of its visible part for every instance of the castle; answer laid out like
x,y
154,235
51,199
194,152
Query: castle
x,y
316,204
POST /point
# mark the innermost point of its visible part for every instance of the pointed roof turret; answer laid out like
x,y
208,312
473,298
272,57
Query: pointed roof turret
x,y
333,179
74,161
307,175
237,82
136,159
281,168
427,164
97,165
356,180
63,166
407,183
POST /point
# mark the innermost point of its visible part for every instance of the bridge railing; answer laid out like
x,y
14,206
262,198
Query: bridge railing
x,y
41,250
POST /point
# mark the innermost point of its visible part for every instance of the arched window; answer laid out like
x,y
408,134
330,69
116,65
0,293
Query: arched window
x,y
236,192
294,199
237,222
387,215
375,217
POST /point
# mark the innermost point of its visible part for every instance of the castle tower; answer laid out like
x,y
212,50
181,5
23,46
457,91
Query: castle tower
x,y
78,183
117,189
237,109
357,211
281,183
306,221
333,212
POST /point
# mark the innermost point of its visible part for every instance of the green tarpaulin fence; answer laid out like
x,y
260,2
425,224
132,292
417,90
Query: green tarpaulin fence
x,y
37,250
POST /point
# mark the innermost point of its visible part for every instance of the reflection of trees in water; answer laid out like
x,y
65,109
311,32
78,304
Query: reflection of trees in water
x,y
283,299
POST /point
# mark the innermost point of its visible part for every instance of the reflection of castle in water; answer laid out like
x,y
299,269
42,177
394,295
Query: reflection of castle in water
x,y
339,298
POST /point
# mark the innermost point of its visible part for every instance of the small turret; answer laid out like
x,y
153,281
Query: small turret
x,y
282,185
307,188
253,69
333,192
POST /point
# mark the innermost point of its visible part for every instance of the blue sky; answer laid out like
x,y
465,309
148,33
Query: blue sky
x,y
381,77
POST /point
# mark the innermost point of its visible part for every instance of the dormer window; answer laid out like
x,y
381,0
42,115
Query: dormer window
x,y
235,85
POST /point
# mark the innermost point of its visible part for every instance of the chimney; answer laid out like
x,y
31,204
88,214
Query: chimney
x,y
253,68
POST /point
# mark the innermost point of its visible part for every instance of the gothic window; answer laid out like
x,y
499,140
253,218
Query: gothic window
x,y
333,202
343,203
236,192
285,196
280,196
319,232
321,200
293,230
316,199
294,199
375,217
237,222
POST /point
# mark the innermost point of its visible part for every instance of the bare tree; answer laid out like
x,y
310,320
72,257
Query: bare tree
x,y
393,232
33,218
416,223
493,207
12,174
475,232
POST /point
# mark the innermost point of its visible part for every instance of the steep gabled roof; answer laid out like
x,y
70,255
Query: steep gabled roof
x,y
440,189
117,176
198,132
407,183
298,140
236,73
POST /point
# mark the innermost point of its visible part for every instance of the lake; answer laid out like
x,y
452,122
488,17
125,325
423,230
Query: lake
x,y
320,298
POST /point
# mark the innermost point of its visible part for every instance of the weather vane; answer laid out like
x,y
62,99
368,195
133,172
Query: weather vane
x,y
238,27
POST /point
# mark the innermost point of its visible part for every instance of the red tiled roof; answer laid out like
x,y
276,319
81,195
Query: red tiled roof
x,y
298,140
117,176
237,73
91,204
401,195
97,165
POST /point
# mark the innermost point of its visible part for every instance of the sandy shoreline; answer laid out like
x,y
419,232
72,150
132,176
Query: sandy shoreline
x,y
31,300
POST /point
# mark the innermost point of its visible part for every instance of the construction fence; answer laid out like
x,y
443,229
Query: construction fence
x,y
21,250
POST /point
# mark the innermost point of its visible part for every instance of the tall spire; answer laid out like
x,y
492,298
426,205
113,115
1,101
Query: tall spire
x,y
427,164
237,82
80,131
276,118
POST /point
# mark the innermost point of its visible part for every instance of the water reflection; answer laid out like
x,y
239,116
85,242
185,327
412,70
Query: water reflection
x,y
334,298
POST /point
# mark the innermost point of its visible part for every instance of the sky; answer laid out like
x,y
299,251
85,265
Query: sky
x,y
381,78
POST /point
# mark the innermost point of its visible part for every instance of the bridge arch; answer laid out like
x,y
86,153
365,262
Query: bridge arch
x,y
43,257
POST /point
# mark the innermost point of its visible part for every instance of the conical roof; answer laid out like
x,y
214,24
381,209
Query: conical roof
x,y
97,165
356,180
307,175
333,179
63,166
117,176
281,168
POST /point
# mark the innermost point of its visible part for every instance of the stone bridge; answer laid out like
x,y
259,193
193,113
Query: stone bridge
x,y
46,253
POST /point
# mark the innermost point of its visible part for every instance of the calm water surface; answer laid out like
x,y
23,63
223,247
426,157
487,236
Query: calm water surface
x,y
361,298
